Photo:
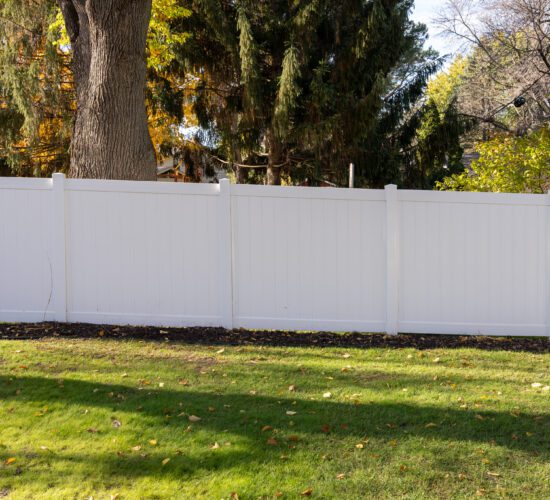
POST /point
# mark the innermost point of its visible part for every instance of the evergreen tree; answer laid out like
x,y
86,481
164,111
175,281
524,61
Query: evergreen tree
x,y
304,87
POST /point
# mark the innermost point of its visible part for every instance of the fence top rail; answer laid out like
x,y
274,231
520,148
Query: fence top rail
x,y
324,193
473,198
25,183
246,190
152,187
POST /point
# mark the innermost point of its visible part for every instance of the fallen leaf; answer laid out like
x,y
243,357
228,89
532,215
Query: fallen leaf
x,y
292,388
535,385
346,356
327,395
325,428
360,446
340,477
10,461
92,430
234,496
437,360
116,423
431,424
137,448
161,384
272,442
215,446
267,428
153,442
294,438
221,351
307,493
493,474
291,413
183,382
165,461
194,418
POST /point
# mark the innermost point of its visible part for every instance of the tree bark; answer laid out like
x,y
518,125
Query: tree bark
x,y
110,139
274,162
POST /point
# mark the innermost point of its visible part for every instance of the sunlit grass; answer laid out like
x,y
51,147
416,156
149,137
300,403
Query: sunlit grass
x,y
398,423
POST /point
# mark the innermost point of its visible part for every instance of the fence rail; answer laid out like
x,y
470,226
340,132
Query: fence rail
x,y
264,257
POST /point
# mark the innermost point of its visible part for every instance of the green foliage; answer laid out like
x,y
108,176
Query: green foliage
x,y
434,133
507,164
35,89
307,84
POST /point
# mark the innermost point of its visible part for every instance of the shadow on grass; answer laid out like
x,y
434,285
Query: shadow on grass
x,y
245,414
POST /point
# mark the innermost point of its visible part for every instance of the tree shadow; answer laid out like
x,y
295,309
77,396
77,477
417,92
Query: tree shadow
x,y
381,420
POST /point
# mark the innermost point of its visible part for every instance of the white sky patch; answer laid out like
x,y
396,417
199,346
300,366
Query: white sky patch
x,y
425,11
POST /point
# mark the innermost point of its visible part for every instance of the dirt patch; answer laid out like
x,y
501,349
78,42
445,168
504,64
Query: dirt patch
x,y
220,336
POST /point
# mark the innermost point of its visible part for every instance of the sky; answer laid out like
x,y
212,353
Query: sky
x,y
425,11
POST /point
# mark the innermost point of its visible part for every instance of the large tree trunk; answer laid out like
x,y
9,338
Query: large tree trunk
x,y
111,138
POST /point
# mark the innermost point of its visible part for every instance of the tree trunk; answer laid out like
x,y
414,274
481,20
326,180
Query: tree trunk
x,y
110,138
241,175
275,149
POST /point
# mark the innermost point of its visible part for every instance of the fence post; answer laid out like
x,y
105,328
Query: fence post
x,y
392,259
59,264
226,255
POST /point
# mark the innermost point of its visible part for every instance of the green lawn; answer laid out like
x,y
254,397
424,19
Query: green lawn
x,y
102,418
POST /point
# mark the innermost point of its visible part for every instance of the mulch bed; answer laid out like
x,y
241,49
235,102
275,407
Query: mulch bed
x,y
220,336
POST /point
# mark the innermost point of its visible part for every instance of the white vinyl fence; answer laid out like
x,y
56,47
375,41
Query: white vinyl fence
x,y
163,254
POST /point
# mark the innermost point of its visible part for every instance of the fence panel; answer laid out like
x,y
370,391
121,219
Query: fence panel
x,y
473,264
314,262
26,252
142,253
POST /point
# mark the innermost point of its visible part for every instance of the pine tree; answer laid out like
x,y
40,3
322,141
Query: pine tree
x,y
302,86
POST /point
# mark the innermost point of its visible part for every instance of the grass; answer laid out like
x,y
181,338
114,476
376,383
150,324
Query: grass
x,y
103,418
